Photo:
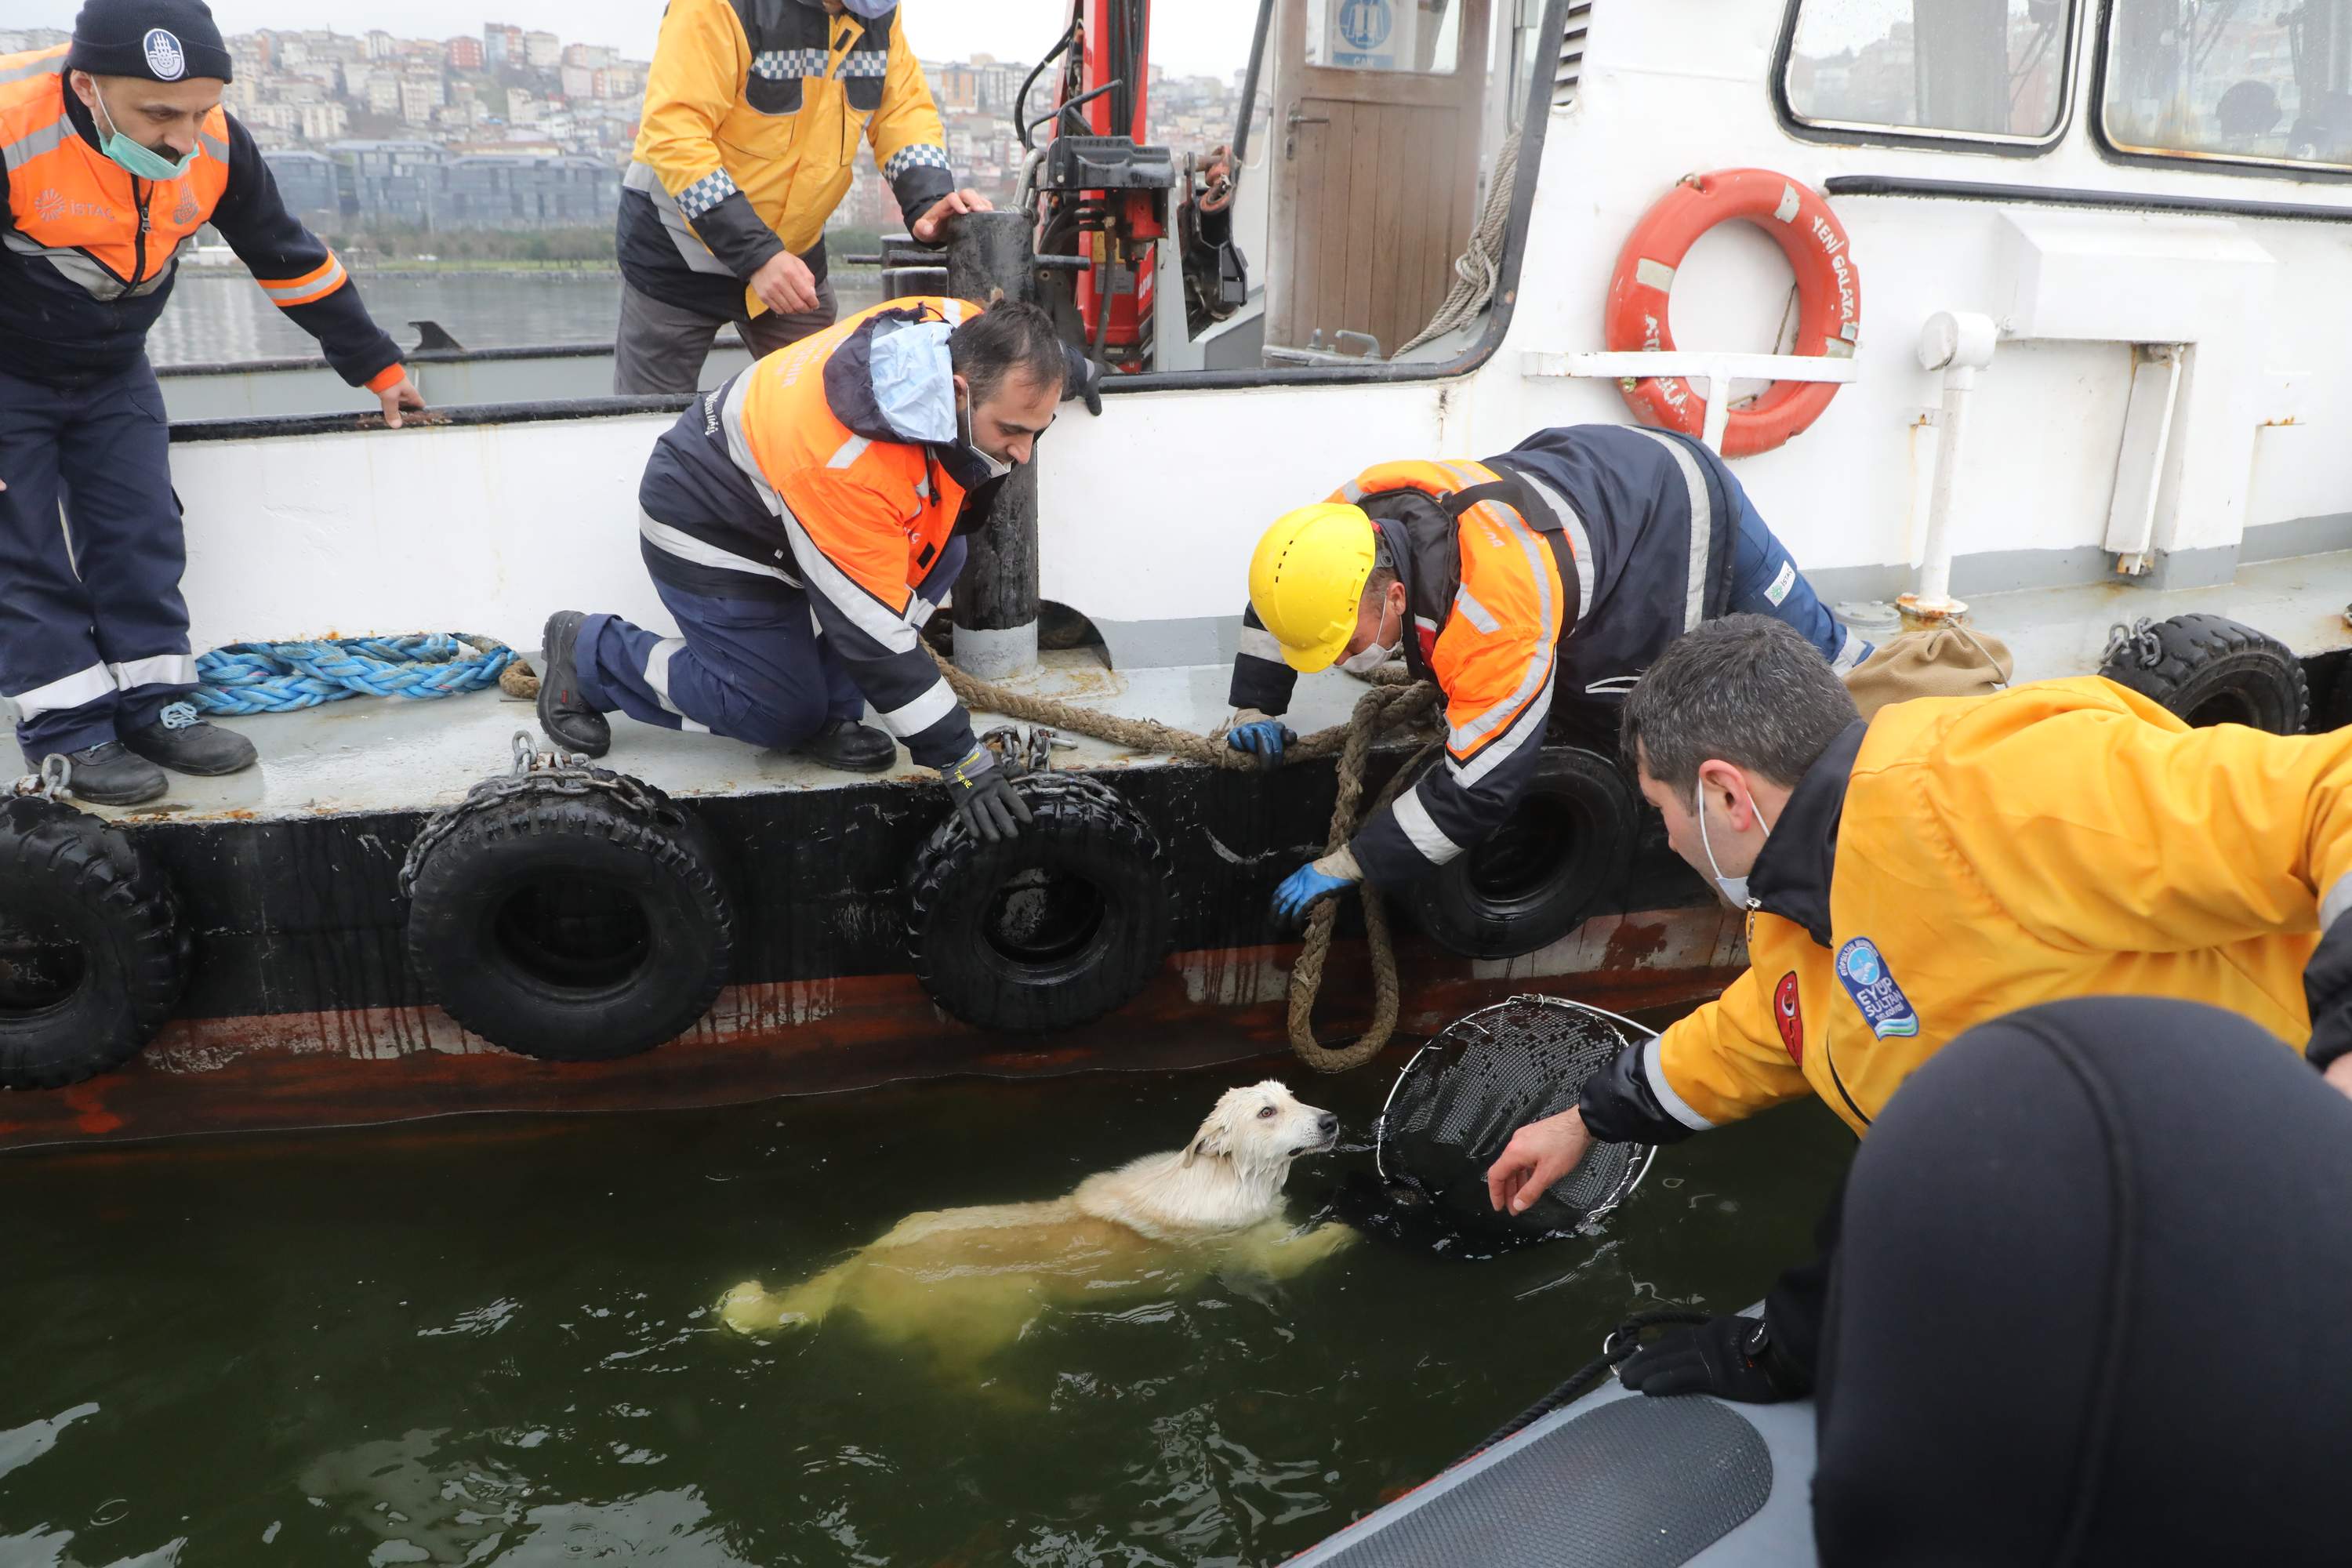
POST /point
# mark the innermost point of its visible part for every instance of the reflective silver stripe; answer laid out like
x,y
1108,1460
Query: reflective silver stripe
x,y
953,311
213,146
1701,527
1476,614
1537,677
54,64
920,611
1654,1068
1528,729
163,669
312,291
848,452
82,686
658,676
87,275
914,718
697,255
686,547
1850,653
1259,643
1579,542
1351,492
32,144
658,669
2337,903
1421,830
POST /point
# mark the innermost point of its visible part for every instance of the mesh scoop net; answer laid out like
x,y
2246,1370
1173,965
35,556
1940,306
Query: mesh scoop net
x,y
1486,1076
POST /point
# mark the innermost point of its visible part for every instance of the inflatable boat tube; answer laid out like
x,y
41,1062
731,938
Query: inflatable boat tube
x,y
571,927
1566,848
1615,1480
92,953
1047,930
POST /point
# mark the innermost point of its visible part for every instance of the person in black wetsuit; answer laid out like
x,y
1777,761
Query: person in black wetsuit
x,y
2085,1303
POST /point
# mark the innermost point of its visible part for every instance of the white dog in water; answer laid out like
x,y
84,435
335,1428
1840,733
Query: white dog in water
x,y
966,1281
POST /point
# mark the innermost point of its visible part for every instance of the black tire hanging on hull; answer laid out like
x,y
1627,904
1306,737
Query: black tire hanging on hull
x,y
570,928
1566,846
2211,669
92,953
1052,930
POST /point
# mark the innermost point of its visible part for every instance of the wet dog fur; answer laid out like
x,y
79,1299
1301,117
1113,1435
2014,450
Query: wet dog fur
x,y
963,1283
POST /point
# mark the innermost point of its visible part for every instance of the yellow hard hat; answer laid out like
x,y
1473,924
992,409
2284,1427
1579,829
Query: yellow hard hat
x,y
1307,578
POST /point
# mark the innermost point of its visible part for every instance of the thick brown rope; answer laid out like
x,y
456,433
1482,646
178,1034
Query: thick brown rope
x,y
1394,701
1376,711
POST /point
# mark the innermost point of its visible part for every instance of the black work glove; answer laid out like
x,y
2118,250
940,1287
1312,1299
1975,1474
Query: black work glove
x,y
984,797
1731,1357
1082,378
2327,987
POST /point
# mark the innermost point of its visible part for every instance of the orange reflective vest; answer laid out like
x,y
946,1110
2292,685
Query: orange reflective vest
x,y
832,502
81,229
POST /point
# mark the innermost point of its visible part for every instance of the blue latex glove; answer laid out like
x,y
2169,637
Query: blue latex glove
x,y
1262,739
1301,889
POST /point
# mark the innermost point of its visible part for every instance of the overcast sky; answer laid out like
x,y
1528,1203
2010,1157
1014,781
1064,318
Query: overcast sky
x,y
1207,37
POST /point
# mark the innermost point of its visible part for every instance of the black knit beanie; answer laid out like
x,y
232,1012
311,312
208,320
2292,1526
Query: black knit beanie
x,y
162,41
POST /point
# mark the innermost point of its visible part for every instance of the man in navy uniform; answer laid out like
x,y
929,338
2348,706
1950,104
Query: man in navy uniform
x,y
113,152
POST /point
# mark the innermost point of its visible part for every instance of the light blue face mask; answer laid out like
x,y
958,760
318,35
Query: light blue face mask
x,y
870,9
144,162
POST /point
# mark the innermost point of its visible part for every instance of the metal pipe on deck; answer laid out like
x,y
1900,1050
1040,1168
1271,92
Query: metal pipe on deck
x,y
995,604
1959,344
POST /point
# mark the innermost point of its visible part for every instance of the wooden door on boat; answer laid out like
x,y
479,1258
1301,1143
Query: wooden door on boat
x,y
1374,141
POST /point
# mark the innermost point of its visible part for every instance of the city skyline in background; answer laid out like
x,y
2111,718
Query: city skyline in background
x,y
1195,37
504,129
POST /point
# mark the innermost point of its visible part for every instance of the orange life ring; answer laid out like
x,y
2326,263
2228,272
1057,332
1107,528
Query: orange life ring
x,y
1829,299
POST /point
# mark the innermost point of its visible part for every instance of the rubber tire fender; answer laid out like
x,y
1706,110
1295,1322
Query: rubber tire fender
x,y
1578,803
1080,830
2214,670
118,909
471,962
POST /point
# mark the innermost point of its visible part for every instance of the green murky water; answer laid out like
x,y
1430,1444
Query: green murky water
x,y
491,1342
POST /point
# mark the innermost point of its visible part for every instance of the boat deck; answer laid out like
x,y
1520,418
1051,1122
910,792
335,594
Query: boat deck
x,y
372,754
379,754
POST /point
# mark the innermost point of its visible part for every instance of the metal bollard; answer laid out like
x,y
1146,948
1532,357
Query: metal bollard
x,y
995,609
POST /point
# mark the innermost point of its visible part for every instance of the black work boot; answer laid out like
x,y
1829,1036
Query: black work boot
x,y
566,717
106,775
853,747
186,743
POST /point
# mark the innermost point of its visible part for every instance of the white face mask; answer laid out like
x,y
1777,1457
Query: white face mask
x,y
1735,889
1375,653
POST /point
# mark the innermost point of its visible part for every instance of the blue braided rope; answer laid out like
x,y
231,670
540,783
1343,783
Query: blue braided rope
x,y
281,677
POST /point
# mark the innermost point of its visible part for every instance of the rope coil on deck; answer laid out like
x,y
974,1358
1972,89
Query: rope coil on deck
x,y
283,677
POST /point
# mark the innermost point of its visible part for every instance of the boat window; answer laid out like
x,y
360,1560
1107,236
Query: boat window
x,y
2265,83
1385,34
1983,70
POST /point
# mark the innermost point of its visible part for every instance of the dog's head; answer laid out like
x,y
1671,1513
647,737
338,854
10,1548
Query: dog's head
x,y
1261,1128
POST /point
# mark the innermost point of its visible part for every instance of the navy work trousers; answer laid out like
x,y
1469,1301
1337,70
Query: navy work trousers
x,y
93,631
751,669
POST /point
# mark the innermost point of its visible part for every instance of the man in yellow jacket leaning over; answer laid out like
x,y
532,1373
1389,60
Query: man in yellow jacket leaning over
x,y
1953,860
754,112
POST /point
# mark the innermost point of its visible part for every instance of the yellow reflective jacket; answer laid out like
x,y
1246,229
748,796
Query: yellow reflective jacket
x,y
1962,858
754,112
